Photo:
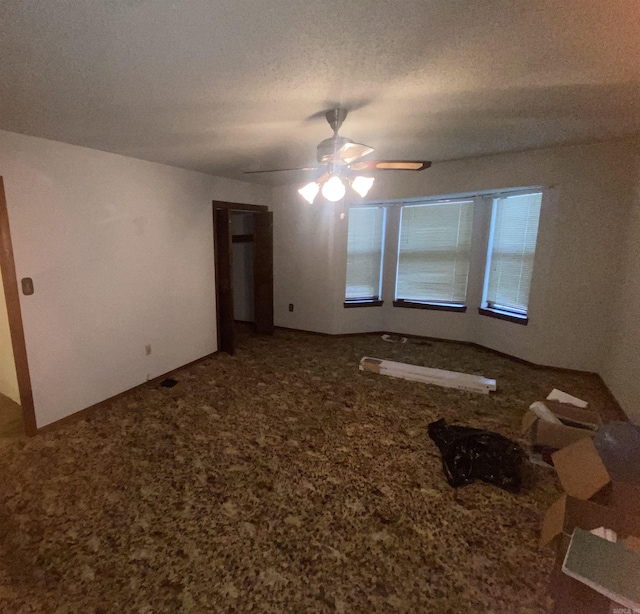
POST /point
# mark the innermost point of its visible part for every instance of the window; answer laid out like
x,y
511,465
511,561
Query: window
x,y
433,255
512,245
364,256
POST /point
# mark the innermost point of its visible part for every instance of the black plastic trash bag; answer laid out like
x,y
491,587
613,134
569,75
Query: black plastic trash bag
x,y
470,454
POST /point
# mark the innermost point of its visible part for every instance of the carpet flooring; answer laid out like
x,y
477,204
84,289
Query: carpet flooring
x,y
280,479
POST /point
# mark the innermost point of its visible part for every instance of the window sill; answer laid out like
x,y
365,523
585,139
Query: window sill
x,y
503,315
363,303
433,306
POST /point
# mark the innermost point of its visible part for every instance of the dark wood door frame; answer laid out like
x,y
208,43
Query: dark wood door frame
x,y
224,279
16,328
263,272
221,204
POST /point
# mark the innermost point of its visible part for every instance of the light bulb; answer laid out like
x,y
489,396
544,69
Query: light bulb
x,y
309,191
333,189
362,185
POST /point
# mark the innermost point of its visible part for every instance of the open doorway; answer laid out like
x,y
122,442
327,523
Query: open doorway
x,y
243,236
242,262
17,417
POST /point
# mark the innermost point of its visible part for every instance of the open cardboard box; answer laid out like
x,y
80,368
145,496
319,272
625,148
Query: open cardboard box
x,y
592,500
576,424
570,415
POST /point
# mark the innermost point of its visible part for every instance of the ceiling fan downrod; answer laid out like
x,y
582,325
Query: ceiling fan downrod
x,y
336,118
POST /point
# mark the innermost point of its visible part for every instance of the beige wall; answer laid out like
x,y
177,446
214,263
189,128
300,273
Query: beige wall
x,y
120,251
304,269
582,223
8,378
121,255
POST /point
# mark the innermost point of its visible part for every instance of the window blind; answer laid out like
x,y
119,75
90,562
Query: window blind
x,y
512,246
433,254
364,253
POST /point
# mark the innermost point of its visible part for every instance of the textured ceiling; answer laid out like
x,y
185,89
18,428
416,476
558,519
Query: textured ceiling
x,y
223,86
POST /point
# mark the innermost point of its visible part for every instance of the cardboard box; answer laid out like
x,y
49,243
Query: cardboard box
x,y
570,415
580,469
567,513
591,500
543,433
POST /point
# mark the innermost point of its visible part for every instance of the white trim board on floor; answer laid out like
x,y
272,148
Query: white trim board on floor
x,y
426,375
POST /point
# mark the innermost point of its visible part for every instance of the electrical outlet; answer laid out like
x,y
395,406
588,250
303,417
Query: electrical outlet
x,y
147,349
290,306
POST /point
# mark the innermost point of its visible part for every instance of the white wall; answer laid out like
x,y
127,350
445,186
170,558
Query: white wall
x,y
304,269
120,251
580,230
8,377
121,255
621,368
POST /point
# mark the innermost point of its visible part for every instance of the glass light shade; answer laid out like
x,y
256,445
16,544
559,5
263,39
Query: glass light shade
x,y
309,191
333,189
362,185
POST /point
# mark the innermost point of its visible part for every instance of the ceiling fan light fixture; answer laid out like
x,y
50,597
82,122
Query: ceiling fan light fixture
x,y
362,185
333,189
309,191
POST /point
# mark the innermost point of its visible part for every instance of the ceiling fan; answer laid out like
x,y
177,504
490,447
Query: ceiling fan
x,y
343,160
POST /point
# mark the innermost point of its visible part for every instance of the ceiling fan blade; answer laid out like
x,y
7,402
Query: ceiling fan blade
x,y
390,165
280,170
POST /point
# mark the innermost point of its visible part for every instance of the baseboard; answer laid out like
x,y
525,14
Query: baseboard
x,y
87,411
443,340
313,332
615,405
83,413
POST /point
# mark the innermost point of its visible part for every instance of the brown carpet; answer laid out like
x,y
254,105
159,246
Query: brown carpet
x,y
279,480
